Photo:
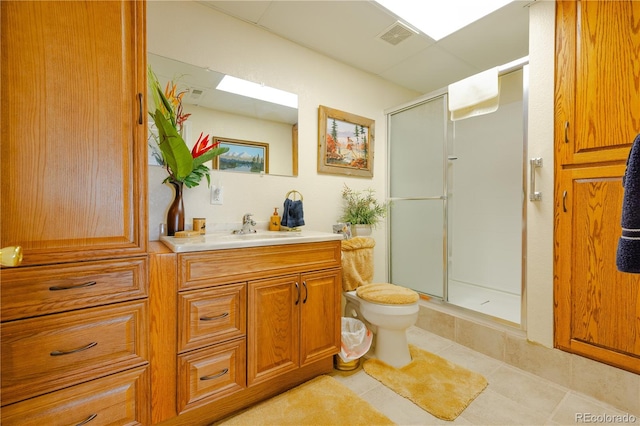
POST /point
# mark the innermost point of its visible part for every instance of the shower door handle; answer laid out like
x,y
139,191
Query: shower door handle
x,y
534,163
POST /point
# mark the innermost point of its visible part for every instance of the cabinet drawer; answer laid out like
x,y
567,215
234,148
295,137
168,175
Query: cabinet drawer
x,y
39,290
209,374
48,353
118,399
210,316
197,270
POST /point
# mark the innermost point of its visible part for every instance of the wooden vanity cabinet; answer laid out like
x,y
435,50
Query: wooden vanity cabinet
x,y
251,323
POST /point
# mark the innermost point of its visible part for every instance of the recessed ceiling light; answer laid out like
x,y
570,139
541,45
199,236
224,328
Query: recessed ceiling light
x,y
439,18
257,91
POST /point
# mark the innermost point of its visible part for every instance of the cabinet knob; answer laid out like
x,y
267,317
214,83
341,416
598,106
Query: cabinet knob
x,y
11,256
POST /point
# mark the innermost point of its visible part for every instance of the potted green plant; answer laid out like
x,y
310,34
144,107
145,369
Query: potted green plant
x,y
362,210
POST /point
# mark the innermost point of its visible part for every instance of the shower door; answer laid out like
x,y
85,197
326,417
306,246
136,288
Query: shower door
x,y
486,207
417,230
457,218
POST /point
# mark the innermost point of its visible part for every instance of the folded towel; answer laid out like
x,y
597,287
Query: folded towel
x,y
475,95
293,215
357,262
628,256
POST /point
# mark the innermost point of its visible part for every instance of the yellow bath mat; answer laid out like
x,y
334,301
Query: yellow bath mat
x,y
438,386
320,401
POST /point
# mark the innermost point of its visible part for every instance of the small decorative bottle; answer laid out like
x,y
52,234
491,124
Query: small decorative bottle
x,y
274,224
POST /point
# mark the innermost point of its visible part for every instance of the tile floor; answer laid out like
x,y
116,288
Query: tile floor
x,y
513,397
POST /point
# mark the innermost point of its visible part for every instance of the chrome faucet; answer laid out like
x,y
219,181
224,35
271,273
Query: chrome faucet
x,y
247,223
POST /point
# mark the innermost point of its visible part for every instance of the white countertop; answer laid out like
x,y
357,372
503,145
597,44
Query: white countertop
x,y
227,240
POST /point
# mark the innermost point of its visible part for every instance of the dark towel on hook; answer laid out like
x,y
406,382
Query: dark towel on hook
x,y
293,216
628,256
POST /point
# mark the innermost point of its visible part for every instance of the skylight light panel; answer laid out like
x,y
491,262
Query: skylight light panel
x,y
440,18
257,91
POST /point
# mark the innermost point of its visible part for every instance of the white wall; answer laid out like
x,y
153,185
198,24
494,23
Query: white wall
x,y
540,214
192,33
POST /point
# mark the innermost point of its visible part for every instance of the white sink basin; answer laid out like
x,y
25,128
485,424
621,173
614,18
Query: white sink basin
x,y
226,240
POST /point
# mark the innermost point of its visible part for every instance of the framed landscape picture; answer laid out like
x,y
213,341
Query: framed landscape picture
x,y
345,143
243,156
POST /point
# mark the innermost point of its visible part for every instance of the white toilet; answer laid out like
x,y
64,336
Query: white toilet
x,y
388,310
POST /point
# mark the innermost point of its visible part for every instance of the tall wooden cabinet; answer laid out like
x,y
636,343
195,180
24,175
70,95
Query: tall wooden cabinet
x,y
73,155
73,147
597,117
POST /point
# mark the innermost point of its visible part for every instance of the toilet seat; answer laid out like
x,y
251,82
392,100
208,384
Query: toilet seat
x,y
387,294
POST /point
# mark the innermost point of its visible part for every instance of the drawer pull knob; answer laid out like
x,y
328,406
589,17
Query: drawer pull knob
x,y
73,351
87,420
72,286
215,376
226,314
306,292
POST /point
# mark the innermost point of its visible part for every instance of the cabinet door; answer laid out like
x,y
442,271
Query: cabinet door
x,y
597,97
274,327
73,151
320,315
597,307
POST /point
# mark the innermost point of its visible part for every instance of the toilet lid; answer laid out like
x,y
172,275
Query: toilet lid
x,y
385,293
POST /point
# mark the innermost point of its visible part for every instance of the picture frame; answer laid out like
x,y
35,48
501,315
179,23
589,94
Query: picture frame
x,y
242,157
345,143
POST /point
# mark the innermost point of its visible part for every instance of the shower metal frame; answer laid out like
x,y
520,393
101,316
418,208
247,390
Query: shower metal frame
x,y
517,65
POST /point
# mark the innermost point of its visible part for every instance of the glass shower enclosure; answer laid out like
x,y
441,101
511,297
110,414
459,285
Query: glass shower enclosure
x,y
457,215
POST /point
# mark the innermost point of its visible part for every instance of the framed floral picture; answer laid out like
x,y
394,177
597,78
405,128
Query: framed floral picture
x,y
345,143
242,156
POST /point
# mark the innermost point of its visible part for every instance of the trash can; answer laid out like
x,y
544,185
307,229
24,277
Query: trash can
x,y
355,342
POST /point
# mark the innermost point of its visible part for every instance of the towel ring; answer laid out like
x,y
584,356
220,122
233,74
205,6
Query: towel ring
x,y
294,193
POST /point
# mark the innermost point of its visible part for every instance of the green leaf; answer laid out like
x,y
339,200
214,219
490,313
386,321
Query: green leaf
x,y
174,150
208,156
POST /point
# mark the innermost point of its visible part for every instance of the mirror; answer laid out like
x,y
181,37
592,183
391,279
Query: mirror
x,y
243,120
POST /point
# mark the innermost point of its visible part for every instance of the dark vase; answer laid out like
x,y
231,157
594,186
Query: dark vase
x,y
175,215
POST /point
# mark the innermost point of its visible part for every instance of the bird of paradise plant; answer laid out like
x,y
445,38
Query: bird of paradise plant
x,y
183,165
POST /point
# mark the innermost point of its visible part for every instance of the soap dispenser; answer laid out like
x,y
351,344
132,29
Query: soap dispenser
x,y
274,224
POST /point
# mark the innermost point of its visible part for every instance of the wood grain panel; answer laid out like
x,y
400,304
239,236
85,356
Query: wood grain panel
x,y
211,316
597,307
163,326
117,399
607,92
320,315
40,290
225,266
73,153
209,374
274,324
605,301
94,342
564,108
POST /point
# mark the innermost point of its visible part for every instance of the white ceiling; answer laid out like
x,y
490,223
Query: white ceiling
x,y
349,31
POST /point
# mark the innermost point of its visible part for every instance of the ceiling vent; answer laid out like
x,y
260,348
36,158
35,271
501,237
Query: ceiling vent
x,y
396,33
195,93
